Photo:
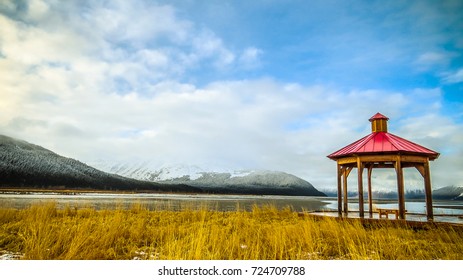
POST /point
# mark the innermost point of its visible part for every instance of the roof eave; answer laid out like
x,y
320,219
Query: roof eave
x,y
430,156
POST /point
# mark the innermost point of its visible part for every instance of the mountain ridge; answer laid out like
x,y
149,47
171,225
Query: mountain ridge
x,y
23,164
221,181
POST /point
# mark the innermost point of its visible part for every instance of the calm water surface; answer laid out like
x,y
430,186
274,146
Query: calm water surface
x,y
443,210
164,201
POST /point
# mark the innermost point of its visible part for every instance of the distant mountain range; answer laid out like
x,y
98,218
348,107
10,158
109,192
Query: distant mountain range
x,y
445,193
450,192
243,182
27,165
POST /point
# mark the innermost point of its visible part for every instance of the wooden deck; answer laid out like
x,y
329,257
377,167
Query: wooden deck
x,y
412,219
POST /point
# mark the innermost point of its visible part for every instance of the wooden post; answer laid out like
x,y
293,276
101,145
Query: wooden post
x,y
339,190
360,186
344,183
370,195
347,170
400,187
428,191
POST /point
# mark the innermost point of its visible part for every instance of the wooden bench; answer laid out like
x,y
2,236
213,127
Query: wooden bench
x,y
385,212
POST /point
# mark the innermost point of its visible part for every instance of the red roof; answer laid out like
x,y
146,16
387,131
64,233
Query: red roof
x,y
383,142
378,116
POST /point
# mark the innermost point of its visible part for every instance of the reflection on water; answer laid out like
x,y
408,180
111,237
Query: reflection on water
x,y
163,201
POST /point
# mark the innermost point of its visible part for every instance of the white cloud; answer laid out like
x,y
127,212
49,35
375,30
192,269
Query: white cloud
x,y
37,9
435,61
250,57
454,77
206,45
138,22
431,58
157,45
8,5
151,57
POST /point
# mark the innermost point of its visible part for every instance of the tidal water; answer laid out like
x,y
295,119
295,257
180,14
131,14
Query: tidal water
x,y
164,201
451,211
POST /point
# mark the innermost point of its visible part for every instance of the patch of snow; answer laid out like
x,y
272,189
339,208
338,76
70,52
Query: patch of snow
x,y
148,171
177,171
235,174
7,255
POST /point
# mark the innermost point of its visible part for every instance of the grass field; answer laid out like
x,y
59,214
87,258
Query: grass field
x,y
45,232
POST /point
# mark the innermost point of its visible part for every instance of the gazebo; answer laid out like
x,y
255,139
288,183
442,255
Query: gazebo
x,y
381,149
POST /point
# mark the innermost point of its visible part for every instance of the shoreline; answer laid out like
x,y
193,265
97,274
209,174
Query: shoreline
x,y
76,191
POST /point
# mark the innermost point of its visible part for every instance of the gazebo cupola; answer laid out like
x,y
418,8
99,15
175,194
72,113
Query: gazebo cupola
x,y
381,149
379,123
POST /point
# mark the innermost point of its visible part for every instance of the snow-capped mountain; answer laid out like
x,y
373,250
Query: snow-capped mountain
x,y
449,192
145,170
23,164
218,181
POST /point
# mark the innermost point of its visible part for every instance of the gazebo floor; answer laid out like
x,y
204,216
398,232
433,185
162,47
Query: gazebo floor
x,y
410,218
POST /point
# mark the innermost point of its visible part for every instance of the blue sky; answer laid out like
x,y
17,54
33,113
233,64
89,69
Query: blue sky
x,y
233,84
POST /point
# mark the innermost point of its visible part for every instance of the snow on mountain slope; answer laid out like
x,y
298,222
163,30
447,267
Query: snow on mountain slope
x,y
222,181
145,170
449,192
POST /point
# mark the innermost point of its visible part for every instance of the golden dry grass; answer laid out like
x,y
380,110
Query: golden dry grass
x,y
45,232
